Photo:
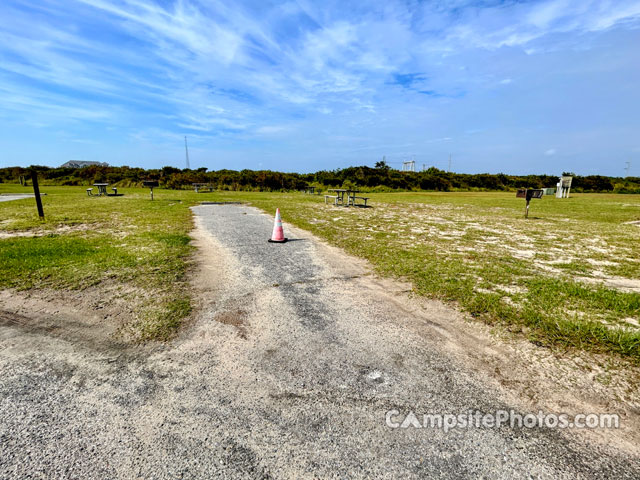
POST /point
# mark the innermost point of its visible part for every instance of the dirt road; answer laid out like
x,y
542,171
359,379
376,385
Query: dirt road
x,y
17,196
289,371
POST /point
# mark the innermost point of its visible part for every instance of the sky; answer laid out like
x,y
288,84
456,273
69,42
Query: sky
x,y
500,86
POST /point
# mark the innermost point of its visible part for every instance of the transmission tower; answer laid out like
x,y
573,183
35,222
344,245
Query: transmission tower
x,y
186,152
409,166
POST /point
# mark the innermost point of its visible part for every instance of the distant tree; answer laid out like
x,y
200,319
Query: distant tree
x,y
364,177
382,165
594,183
166,171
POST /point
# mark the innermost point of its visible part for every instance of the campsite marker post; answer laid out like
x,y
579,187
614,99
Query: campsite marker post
x,y
150,184
528,194
36,191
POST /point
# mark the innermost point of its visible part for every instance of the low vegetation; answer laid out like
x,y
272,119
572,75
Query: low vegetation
x,y
379,179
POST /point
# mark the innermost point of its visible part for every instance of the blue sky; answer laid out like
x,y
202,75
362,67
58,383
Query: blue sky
x,y
502,86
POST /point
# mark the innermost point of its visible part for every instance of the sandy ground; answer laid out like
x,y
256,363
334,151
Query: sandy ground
x,y
287,371
7,197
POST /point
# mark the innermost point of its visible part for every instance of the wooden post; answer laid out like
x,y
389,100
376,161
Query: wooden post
x,y
526,210
36,191
150,184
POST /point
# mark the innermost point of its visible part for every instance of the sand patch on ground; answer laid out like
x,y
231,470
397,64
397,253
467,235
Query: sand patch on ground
x,y
62,230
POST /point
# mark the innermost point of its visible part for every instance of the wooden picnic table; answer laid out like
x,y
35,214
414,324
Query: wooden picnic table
x,y
340,193
351,197
202,186
102,188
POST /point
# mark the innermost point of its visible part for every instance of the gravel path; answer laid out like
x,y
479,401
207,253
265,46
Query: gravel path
x,y
7,197
288,373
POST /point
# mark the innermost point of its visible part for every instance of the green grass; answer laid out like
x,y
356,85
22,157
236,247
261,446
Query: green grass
x,y
108,241
540,277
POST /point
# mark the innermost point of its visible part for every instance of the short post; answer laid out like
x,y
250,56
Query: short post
x,y
150,184
528,194
36,191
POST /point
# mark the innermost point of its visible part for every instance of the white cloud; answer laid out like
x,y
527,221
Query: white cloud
x,y
239,69
521,24
545,14
272,129
550,152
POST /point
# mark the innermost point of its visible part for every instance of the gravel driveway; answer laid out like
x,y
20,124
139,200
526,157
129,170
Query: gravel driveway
x,y
7,197
288,372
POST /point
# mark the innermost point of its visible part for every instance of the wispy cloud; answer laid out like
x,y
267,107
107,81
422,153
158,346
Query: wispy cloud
x,y
510,25
220,71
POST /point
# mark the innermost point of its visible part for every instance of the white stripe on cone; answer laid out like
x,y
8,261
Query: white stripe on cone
x,y
278,232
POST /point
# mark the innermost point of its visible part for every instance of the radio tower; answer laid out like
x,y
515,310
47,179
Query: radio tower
x,y
186,152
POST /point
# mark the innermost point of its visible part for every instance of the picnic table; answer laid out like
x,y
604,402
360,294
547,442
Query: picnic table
x,y
202,186
340,193
102,188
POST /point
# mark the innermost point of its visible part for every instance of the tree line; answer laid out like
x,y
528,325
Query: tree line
x,y
379,178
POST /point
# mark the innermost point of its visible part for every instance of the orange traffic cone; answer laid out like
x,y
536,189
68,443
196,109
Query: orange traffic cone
x,y
278,233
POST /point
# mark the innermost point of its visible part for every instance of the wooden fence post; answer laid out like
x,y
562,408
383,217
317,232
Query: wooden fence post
x,y
36,191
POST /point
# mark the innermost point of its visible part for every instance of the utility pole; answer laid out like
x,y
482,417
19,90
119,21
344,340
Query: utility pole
x,y
627,168
186,151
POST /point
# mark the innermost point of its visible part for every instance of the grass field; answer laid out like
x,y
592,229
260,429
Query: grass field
x,y
569,276
108,241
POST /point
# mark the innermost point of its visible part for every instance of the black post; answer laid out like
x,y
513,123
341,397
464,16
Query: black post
x,y
36,191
